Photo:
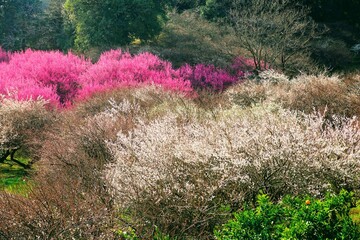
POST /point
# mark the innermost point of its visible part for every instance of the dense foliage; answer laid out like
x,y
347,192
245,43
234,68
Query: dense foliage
x,y
338,10
294,218
321,10
112,23
55,28
18,23
62,79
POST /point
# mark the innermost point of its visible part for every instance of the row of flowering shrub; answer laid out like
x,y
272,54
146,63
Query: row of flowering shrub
x,y
150,161
64,78
178,171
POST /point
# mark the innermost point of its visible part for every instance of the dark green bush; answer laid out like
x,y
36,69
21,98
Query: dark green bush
x,y
294,218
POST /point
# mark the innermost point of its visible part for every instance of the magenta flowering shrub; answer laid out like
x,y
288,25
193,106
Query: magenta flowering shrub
x,y
52,69
118,69
52,75
245,66
209,77
61,79
27,89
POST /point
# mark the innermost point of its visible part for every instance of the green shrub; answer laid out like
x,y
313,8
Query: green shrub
x,y
294,218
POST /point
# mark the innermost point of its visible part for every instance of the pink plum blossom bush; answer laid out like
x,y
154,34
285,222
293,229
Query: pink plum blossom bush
x,y
209,77
242,65
118,69
51,75
62,79
27,89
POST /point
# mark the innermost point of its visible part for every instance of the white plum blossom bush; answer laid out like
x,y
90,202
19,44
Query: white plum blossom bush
x,y
266,143
20,121
306,93
273,76
103,126
190,167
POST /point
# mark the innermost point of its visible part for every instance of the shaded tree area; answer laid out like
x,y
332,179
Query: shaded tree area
x,y
331,50
19,23
114,22
182,5
275,33
55,28
321,10
335,10
343,21
64,24
92,26
49,24
216,9
34,24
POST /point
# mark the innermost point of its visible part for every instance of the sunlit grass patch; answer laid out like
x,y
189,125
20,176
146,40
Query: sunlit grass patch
x,y
355,213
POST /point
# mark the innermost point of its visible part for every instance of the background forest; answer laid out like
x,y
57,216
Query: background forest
x,y
92,26
179,119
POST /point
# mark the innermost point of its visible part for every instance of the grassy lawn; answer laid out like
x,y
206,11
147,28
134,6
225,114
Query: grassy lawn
x,y
13,177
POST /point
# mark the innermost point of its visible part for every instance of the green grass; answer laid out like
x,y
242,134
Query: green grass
x,y
14,178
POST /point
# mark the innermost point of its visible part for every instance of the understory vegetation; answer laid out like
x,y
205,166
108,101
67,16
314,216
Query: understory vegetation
x,y
144,162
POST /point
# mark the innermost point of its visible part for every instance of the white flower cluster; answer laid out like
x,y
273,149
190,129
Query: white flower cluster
x,y
13,120
278,151
107,119
272,76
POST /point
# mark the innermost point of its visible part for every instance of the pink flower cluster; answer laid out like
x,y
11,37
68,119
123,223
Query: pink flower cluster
x,y
208,77
246,66
50,75
117,69
64,78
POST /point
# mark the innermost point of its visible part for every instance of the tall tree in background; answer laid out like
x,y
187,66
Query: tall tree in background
x,y
55,30
216,9
182,5
274,32
321,10
18,23
108,23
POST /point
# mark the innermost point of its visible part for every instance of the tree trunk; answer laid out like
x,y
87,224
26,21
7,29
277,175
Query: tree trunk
x,y
4,155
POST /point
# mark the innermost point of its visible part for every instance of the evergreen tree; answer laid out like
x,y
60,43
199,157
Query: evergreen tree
x,y
216,9
55,29
182,5
18,23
